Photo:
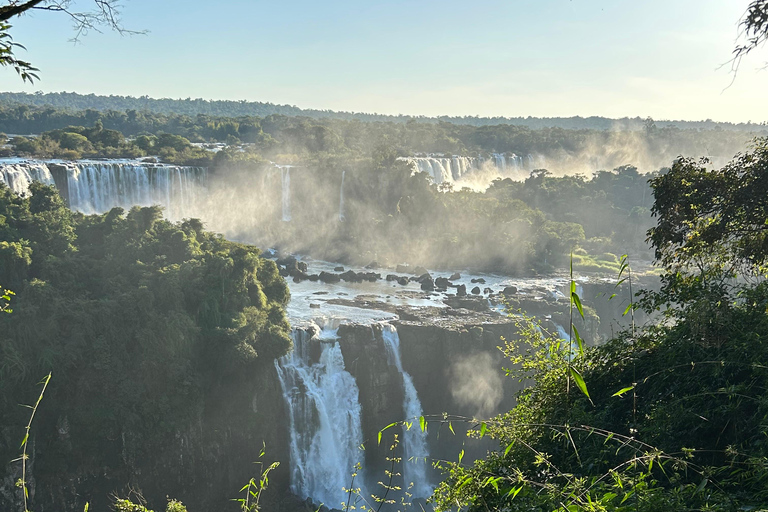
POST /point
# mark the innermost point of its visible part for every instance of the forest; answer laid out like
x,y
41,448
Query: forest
x,y
146,324
295,139
219,108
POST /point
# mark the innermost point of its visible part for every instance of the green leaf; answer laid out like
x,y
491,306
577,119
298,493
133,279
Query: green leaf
x,y
450,427
627,310
623,390
461,455
577,301
580,382
701,486
514,492
509,447
483,428
423,423
579,341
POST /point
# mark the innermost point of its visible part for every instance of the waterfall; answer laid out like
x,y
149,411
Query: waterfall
x,y
325,416
342,217
286,175
501,162
19,176
414,440
101,186
97,187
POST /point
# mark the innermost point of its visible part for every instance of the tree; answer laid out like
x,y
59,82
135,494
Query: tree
x,y
105,13
754,31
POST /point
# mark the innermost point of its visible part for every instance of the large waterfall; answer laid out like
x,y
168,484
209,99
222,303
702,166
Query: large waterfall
x,y
97,187
19,176
325,416
414,439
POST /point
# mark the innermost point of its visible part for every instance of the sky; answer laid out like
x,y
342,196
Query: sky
x,y
545,58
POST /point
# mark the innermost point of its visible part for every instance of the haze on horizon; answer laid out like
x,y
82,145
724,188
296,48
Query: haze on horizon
x,y
544,58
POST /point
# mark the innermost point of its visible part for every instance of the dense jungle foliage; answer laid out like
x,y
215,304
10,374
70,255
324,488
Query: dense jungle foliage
x,y
677,416
392,215
223,108
305,139
144,323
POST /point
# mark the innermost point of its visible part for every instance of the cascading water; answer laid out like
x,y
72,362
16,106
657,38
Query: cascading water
x,y
286,192
414,440
342,216
97,187
19,176
325,416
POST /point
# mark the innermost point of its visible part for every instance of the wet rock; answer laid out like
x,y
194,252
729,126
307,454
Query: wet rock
x,y
479,280
425,277
487,291
427,285
442,283
288,262
509,291
461,290
328,277
301,266
392,277
476,290
420,271
313,277
454,276
371,277
351,276
403,269
402,281
314,306
283,272
372,265
470,303
338,269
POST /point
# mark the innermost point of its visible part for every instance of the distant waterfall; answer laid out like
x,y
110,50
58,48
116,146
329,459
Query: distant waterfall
x,y
97,187
286,191
501,162
342,216
455,168
325,417
414,440
19,176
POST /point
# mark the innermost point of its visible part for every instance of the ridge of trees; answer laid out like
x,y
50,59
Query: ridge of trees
x,y
243,108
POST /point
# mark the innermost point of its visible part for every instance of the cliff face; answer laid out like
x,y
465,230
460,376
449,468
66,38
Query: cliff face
x,y
203,464
452,355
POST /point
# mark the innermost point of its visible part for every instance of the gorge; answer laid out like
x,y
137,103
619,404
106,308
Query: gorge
x,y
368,351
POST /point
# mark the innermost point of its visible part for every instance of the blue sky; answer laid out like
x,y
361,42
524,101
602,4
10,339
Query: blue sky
x,y
484,57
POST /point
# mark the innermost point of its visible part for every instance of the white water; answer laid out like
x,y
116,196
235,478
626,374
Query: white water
x,y
19,176
97,187
342,216
285,173
414,440
325,417
459,168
